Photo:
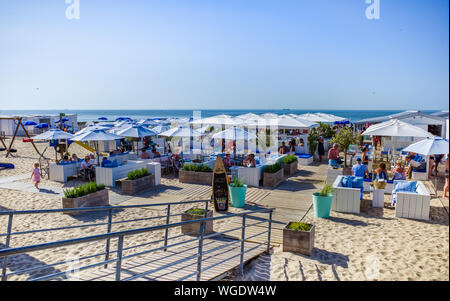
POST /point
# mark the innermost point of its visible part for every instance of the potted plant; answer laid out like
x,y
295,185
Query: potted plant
x,y
273,175
195,174
137,180
88,195
237,191
322,201
298,237
194,228
290,165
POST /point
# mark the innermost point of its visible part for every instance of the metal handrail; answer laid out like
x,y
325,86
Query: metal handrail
x,y
121,234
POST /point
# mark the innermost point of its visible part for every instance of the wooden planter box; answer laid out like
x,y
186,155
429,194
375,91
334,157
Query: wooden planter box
x,y
194,177
298,241
290,169
194,228
97,199
131,187
273,179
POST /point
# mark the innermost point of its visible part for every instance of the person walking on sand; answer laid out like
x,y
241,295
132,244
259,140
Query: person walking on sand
x,y
36,175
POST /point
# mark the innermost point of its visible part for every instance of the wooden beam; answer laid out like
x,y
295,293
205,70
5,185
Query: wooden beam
x,y
14,137
26,133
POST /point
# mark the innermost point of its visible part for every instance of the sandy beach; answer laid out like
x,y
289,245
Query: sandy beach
x,y
371,246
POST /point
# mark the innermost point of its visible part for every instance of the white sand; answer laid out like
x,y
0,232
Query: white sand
x,y
372,246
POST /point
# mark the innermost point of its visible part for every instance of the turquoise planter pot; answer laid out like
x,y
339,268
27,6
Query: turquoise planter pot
x,y
322,205
238,196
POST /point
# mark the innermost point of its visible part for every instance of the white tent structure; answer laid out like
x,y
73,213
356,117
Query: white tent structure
x,y
396,128
234,134
216,120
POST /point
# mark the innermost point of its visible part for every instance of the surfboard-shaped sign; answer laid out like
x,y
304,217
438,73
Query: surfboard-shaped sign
x,y
220,189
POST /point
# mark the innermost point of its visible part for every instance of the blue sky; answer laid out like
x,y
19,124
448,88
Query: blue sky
x,y
233,54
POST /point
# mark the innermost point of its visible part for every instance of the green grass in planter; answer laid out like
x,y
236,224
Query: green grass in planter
x,y
273,168
237,183
326,189
82,190
196,211
138,173
299,226
290,159
196,167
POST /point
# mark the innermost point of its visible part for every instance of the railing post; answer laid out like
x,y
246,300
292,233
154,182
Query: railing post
x,y
206,209
200,251
167,229
108,241
119,257
270,230
8,239
242,244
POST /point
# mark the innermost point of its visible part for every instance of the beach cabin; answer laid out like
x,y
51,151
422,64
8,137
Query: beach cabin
x,y
8,125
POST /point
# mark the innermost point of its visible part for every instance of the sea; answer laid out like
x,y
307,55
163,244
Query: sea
x,y
93,115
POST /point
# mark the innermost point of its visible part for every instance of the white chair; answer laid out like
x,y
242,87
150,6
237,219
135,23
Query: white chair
x,y
413,205
346,200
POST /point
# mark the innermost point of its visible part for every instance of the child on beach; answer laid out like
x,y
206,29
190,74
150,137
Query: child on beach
x,y
36,175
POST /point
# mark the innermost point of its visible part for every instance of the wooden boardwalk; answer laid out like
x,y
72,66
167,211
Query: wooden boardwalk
x,y
180,262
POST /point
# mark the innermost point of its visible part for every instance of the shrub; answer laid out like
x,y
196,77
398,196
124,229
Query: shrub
x,y
138,173
196,211
82,190
299,226
237,183
290,159
273,168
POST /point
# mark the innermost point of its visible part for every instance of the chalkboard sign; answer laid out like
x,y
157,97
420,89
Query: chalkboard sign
x,y
220,189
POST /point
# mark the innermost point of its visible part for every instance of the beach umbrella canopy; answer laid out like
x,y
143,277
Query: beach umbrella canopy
x,y
136,131
29,123
396,128
96,135
181,132
160,128
63,120
217,120
148,122
54,134
234,133
42,126
429,146
90,129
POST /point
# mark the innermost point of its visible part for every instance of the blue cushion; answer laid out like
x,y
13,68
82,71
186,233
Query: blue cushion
x,y
345,182
410,186
419,170
304,156
357,182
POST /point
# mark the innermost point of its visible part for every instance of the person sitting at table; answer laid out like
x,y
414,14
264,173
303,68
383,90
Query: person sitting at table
x,y
65,159
87,168
227,161
398,173
360,170
365,157
292,145
144,155
283,149
74,157
302,142
156,154
333,156
250,161
381,177
105,161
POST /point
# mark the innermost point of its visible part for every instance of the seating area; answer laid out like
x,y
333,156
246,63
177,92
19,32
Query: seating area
x,y
412,200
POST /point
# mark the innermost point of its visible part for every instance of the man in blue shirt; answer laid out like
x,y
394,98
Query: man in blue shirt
x,y
360,170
